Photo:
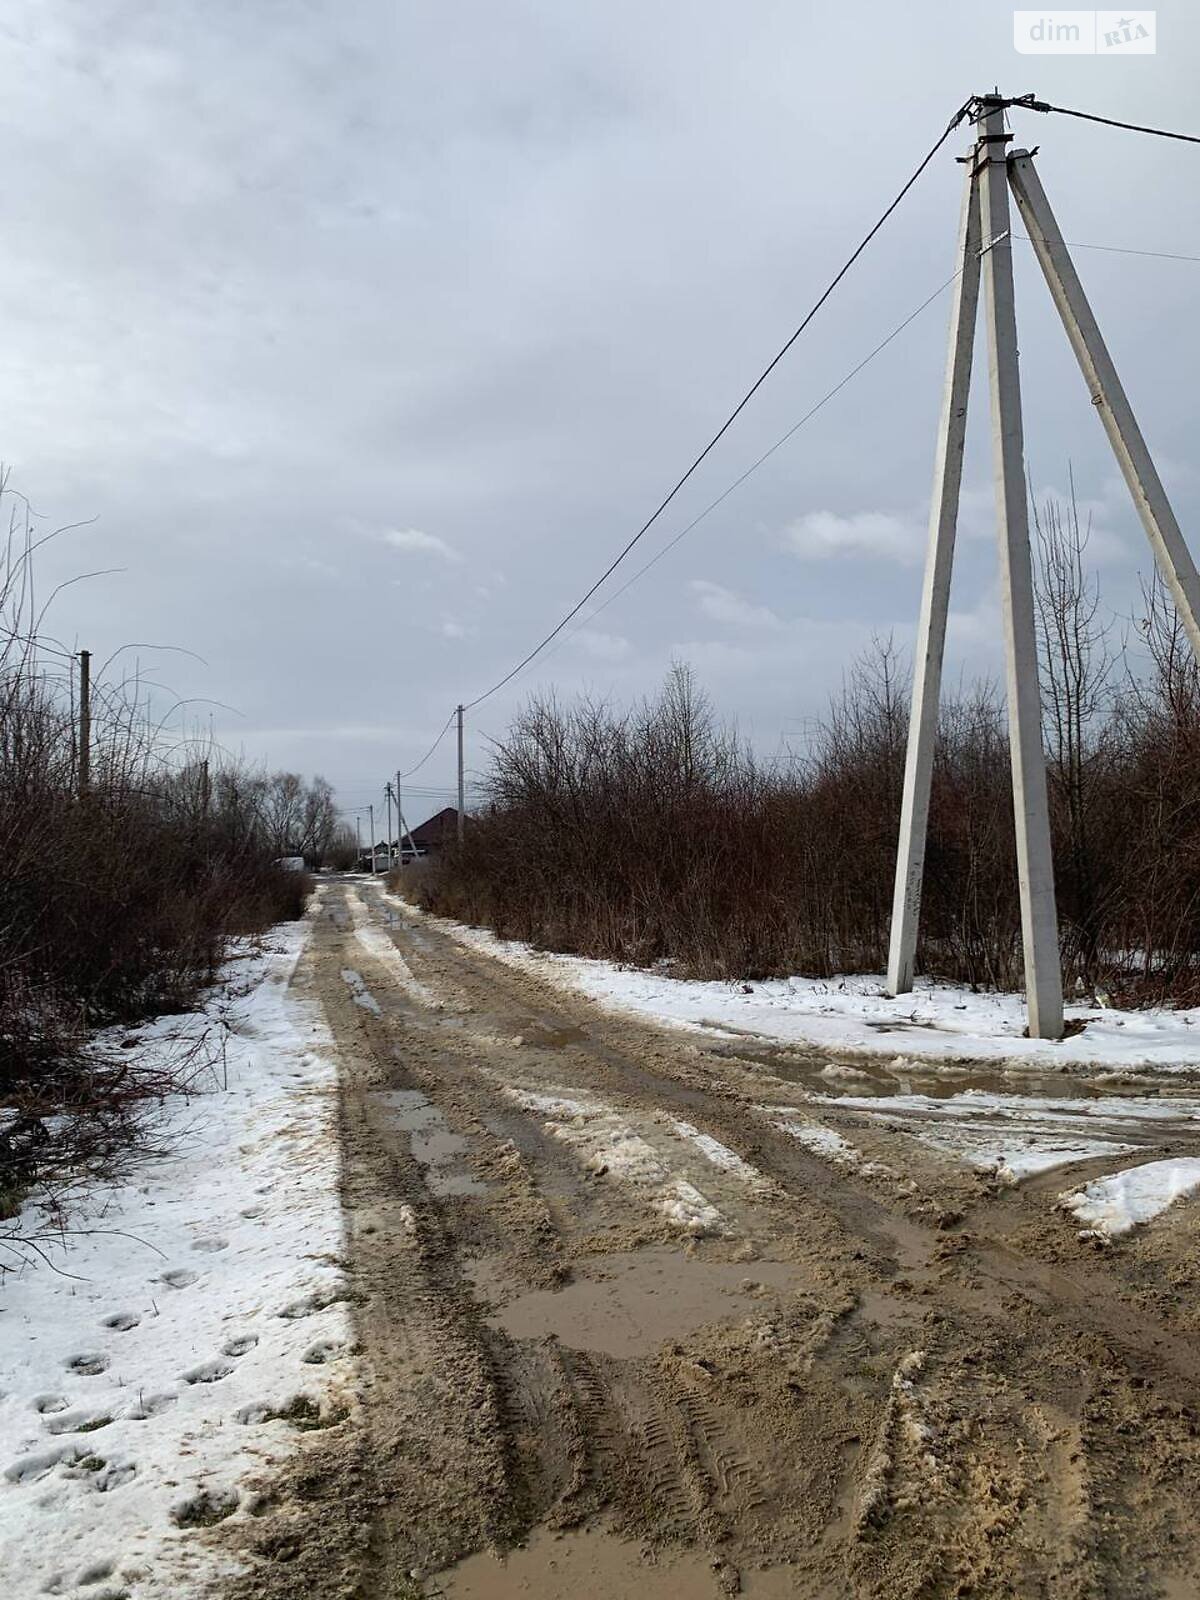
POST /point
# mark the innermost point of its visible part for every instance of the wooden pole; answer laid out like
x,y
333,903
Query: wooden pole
x,y
85,720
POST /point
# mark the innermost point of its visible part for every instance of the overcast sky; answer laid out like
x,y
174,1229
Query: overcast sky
x,y
368,333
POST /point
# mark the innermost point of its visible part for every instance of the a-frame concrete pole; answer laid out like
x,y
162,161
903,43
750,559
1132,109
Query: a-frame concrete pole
x,y
1166,539
1035,863
935,599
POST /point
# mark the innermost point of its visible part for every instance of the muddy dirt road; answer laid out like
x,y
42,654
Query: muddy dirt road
x,y
625,1315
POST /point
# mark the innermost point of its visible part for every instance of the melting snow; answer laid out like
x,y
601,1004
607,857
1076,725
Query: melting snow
x,y
609,1145
205,1294
1113,1205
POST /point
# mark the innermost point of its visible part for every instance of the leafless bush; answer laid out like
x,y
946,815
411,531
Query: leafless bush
x,y
650,835
117,896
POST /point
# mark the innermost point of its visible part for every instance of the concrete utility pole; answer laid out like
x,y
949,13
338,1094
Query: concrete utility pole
x,y
85,720
387,793
987,167
991,174
461,780
357,843
371,820
935,600
1149,497
1035,860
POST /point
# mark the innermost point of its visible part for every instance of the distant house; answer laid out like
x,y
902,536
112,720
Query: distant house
x,y
435,834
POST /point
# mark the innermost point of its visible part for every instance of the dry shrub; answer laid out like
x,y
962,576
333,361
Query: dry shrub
x,y
652,836
116,897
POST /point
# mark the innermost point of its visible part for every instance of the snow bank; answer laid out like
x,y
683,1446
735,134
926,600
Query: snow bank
x,y
1114,1205
205,1294
853,1014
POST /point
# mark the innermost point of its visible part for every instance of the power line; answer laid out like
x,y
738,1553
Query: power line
x,y
1116,249
766,455
733,415
1109,122
432,748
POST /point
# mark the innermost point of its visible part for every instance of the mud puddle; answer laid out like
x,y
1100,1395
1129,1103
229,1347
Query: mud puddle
x,y
590,1563
631,1304
437,1148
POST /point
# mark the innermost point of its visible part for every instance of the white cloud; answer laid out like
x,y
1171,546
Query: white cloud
x,y
452,630
416,539
723,605
603,646
825,535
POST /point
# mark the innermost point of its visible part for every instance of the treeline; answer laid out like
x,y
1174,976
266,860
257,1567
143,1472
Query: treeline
x,y
651,835
119,886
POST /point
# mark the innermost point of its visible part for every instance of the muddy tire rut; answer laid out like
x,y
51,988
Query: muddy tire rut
x,y
612,1318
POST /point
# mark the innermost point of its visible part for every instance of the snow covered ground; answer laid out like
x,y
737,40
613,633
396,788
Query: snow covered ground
x,y
854,1016
196,1319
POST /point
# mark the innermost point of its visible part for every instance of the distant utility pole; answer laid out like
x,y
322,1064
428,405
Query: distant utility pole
x,y
357,841
371,817
85,720
461,780
387,793
400,828
985,250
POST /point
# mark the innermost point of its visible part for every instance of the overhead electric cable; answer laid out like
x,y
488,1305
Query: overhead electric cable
x,y
733,415
767,454
1109,122
432,748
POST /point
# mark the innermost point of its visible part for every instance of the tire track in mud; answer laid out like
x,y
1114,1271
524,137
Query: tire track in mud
x,y
897,1412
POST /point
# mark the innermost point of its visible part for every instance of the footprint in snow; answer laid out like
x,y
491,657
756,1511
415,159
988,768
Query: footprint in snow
x,y
79,1422
204,1509
251,1212
239,1345
212,1245
209,1371
89,1365
324,1350
149,1405
179,1278
44,1403
28,1469
122,1321
310,1304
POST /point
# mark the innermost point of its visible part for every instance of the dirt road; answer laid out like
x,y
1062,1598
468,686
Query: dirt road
x,y
622,1314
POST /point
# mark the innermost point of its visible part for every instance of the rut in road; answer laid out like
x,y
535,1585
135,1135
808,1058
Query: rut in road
x,y
597,1285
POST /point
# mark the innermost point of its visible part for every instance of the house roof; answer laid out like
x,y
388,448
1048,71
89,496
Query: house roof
x,y
436,829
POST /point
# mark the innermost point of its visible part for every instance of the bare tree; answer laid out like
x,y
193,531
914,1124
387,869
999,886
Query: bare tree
x,y
1076,664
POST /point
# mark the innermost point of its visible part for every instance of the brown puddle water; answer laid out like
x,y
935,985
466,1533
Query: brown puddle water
x,y
628,1305
434,1144
590,1565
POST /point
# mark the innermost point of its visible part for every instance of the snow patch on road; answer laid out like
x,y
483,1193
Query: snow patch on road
x,y
377,944
1016,1136
608,1145
362,995
720,1155
1113,1205
139,1393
